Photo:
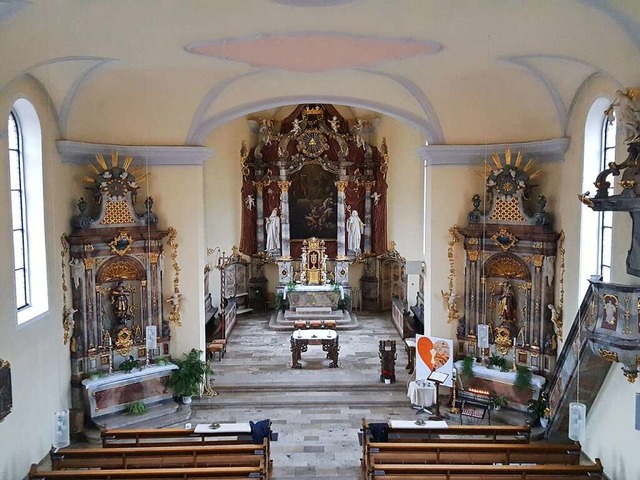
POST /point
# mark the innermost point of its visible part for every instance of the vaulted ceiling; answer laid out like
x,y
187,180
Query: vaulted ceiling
x,y
515,67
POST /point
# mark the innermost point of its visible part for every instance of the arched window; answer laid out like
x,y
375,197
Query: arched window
x,y
18,213
596,227
27,211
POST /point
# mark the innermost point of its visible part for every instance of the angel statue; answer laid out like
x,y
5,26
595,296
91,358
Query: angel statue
x,y
627,108
335,124
556,319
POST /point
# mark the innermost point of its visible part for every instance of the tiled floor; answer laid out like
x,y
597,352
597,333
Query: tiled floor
x,y
317,411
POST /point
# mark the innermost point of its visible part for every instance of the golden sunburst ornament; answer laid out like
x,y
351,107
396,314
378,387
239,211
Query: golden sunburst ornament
x,y
509,177
114,181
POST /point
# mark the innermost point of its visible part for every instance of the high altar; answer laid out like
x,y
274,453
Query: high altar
x,y
314,197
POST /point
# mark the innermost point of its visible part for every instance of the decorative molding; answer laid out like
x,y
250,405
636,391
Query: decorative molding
x,y
80,153
544,151
198,133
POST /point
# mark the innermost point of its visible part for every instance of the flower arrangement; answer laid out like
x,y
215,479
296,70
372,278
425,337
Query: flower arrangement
x,y
386,374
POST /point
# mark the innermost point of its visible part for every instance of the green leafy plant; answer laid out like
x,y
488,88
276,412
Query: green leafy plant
x,y
129,364
523,378
186,380
538,408
93,374
497,401
137,408
161,361
498,361
467,367
281,303
345,303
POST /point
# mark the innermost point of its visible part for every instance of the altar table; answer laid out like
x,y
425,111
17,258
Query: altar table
x,y
301,339
422,393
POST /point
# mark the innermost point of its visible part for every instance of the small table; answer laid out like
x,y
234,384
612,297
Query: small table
x,y
227,428
422,393
301,339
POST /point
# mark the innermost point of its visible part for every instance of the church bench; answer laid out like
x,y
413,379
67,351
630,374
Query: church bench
x,y
218,473
471,453
496,434
130,437
486,472
161,456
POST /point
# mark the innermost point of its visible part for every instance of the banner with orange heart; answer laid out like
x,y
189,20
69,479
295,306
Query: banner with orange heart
x,y
434,354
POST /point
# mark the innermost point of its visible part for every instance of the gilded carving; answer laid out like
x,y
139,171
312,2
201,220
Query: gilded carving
x,y
538,260
502,337
584,198
89,263
117,213
537,245
122,243
153,258
608,355
504,239
121,269
449,296
124,341
473,241
368,185
259,186
631,376
174,316
473,255
341,185
284,185
506,267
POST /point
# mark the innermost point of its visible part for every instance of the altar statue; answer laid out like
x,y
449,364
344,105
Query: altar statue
x,y
120,300
355,228
273,231
507,305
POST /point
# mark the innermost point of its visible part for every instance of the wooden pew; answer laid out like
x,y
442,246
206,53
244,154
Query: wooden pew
x,y
162,456
218,473
472,453
136,437
487,472
453,434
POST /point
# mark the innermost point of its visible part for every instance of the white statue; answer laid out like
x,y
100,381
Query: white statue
x,y
627,107
335,124
376,197
265,130
296,128
273,231
77,270
175,300
355,229
549,269
358,133
249,202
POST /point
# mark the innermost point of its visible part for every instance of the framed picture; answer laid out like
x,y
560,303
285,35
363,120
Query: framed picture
x,y
93,363
165,349
104,359
6,398
142,352
522,357
534,361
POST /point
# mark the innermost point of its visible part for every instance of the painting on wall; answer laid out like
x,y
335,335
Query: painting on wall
x,y
6,400
312,204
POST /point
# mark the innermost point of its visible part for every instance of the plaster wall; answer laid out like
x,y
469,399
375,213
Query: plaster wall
x,y
178,194
39,360
223,203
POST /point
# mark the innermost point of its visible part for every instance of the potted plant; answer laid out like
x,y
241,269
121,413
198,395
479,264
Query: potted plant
x,y
129,364
539,409
186,379
386,376
467,367
498,361
496,402
523,378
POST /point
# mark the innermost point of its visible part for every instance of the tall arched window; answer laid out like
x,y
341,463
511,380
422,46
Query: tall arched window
x,y
596,227
18,213
27,211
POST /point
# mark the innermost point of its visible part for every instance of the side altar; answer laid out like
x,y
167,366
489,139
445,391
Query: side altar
x,y
116,319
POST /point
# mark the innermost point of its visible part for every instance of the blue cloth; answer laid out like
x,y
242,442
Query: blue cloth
x,y
260,430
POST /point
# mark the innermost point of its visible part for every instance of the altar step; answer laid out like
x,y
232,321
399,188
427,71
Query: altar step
x,y
297,395
283,321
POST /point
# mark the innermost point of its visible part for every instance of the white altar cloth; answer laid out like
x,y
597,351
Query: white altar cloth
x,y
412,424
242,427
422,393
314,288
480,371
314,334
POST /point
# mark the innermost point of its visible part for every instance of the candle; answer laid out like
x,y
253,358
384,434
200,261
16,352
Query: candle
x,y
514,342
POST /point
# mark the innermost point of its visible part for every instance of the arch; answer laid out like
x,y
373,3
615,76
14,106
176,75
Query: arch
x,y
120,268
504,265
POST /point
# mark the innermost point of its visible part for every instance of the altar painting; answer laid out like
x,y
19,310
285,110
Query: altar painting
x,y
434,354
312,203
